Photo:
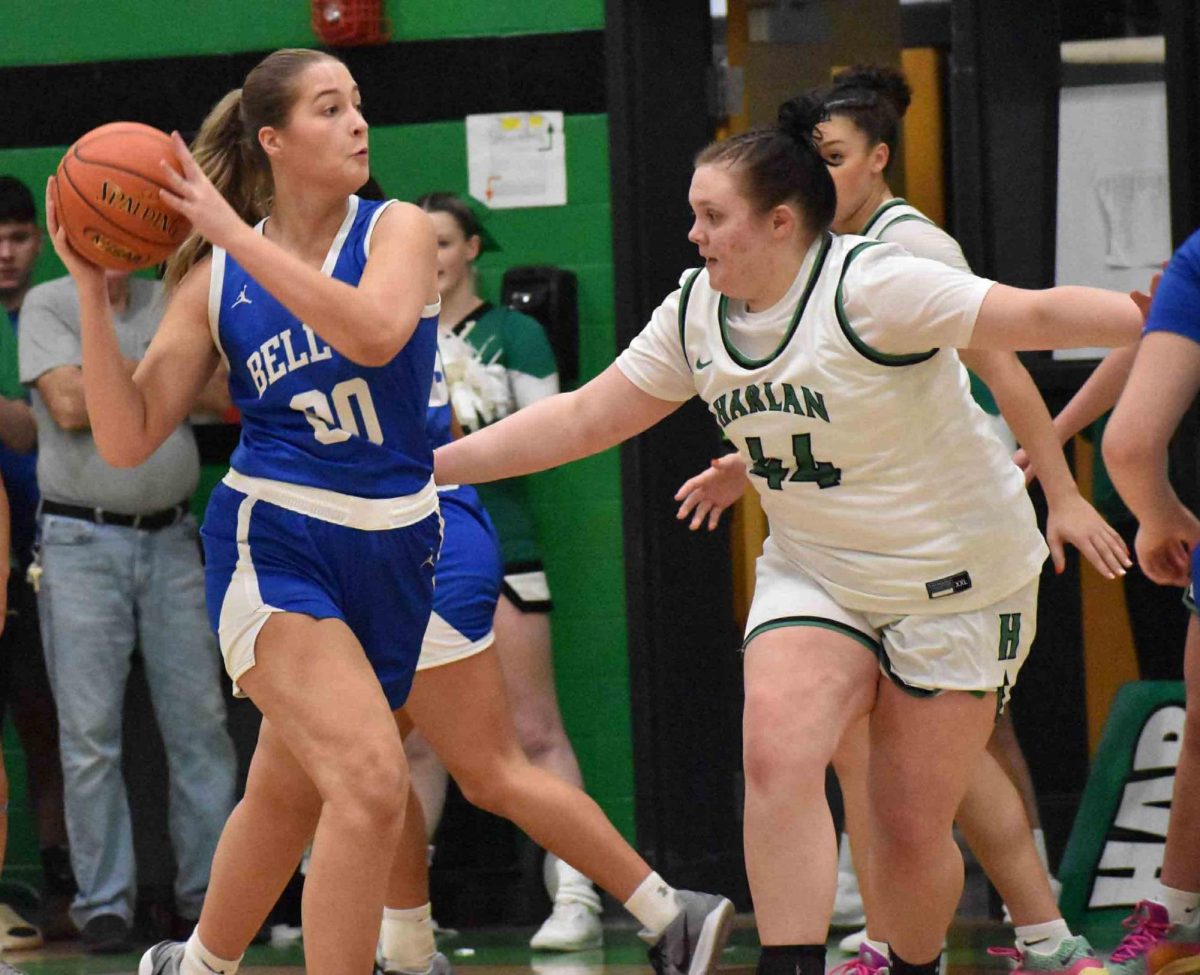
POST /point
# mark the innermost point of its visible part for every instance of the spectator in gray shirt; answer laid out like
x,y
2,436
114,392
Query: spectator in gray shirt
x,y
120,566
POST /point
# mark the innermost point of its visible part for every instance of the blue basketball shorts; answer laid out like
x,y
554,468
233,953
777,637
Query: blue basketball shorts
x,y
336,557
469,574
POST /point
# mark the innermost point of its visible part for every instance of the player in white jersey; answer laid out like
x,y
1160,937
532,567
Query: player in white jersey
x,y
328,748
903,524
864,107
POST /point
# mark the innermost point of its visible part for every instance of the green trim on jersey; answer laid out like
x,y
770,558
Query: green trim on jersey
x,y
906,216
890,205
821,623
880,358
685,295
723,305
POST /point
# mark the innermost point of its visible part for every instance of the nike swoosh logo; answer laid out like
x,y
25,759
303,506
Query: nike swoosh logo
x,y
701,364
1030,944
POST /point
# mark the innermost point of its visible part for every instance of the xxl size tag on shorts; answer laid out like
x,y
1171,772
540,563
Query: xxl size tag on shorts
x,y
949,585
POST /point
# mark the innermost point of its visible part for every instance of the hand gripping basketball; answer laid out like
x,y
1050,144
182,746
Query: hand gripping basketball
x,y
193,195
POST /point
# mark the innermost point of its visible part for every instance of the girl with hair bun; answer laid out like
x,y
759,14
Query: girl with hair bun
x,y
902,538
857,136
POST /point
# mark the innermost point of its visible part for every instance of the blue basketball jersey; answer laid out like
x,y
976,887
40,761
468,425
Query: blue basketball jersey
x,y
309,415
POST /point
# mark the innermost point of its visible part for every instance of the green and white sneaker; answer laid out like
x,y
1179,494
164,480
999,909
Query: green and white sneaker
x,y
1074,957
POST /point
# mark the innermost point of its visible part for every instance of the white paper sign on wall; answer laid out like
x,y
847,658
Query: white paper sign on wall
x,y
517,159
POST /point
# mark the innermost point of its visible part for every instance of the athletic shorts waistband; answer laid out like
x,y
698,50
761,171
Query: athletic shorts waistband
x,y
363,514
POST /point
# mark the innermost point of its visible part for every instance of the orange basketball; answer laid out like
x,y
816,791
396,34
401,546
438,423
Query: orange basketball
x,y
107,197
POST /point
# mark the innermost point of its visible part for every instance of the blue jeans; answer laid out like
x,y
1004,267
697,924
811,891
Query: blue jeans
x,y
104,590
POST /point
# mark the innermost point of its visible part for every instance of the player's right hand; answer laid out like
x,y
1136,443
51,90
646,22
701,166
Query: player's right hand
x,y
79,267
710,492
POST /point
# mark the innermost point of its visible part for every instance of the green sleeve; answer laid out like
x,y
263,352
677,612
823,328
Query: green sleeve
x,y
10,377
526,348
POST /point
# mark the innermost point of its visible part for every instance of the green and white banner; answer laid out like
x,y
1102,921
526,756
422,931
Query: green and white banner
x,y
1115,852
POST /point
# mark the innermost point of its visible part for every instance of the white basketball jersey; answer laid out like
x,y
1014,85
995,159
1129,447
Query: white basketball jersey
x,y
874,468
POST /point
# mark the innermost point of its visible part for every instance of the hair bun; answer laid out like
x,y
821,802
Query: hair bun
x,y
798,118
886,81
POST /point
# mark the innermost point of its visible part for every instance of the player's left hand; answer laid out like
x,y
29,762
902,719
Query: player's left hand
x,y
1073,521
194,196
1164,545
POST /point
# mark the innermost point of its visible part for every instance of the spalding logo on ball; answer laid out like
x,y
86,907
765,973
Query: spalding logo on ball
x,y
107,197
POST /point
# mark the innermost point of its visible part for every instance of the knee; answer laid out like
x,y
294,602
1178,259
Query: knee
x,y
370,792
907,828
784,745
491,786
540,733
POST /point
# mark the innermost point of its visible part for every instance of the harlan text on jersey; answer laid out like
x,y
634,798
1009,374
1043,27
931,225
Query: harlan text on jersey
x,y
768,397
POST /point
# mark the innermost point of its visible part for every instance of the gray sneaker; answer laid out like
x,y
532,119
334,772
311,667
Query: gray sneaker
x,y
163,959
438,965
693,942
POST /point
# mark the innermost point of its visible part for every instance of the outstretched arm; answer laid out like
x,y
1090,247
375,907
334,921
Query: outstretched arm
x,y
553,431
1056,318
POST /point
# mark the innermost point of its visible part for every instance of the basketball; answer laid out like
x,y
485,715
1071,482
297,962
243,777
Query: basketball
x,y
107,197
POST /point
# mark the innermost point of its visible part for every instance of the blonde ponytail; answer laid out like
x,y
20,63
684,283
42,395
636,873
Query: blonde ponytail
x,y
231,162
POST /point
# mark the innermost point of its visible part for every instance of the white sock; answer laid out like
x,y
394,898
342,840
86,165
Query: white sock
x,y
573,887
1039,844
879,946
654,904
406,938
198,960
1042,939
1180,904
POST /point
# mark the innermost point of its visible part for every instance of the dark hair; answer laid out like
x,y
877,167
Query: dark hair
x,y
16,202
371,190
781,164
227,148
874,98
456,207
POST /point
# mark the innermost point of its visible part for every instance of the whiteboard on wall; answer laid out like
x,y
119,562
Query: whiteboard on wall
x,y
1114,215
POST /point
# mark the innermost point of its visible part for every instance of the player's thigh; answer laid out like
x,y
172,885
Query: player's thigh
x,y
526,656
462,710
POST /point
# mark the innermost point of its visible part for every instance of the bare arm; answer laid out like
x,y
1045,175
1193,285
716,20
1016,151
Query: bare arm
x,y
1164,381
1016,319
368,323
131,415
214,397
553,431
18,430
1071,519
1097,395
1025,411
61,389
